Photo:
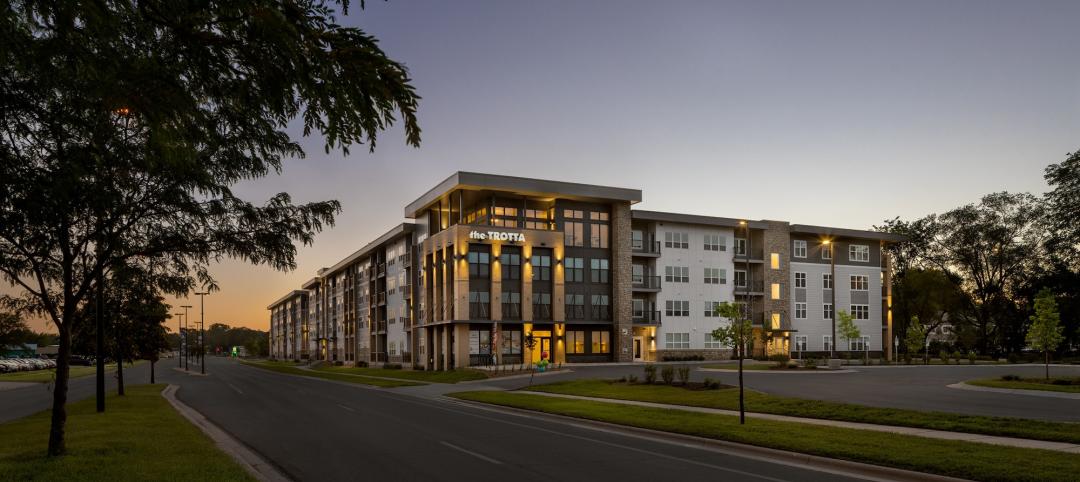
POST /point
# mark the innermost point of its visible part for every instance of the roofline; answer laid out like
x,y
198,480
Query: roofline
x,y
695,219
847,233
524,185
292,294
310,283
393,233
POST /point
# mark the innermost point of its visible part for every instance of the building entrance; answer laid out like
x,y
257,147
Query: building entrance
x,y
542,347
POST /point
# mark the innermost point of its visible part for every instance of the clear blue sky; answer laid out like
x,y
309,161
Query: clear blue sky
x,y
840,113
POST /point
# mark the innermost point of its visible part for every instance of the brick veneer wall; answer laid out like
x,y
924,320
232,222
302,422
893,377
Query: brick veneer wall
x,y
622,276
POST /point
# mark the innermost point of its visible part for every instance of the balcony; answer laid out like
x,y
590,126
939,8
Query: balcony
x,y
381,298
406,260
380,326
755,287
541,312
646,283
646,318
511,311
755,255
382,269
479,311
646,248
406,291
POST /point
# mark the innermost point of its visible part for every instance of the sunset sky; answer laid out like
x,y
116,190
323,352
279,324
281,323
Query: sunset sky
x,y
840,113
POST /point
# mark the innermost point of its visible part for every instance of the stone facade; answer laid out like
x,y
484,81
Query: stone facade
x,y
622,277
724,354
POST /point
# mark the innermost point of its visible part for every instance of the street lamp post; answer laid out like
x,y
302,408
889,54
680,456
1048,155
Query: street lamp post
x,y
202,330
832,284
180,339
187,353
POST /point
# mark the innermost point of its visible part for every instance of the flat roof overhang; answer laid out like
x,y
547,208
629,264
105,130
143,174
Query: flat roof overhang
x,y
292,294
521,186
847,233
391,235
663,217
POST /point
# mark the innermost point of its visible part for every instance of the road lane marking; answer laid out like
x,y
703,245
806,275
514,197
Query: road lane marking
x,y
346,408
237,389
470,452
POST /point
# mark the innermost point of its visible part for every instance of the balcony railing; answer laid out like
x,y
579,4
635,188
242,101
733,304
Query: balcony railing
x,y
754,286
541,311
406,260
380,325
646,247
479,311
646,282
575,312
511,311
382,269
647,317
406,291
601,312
381,298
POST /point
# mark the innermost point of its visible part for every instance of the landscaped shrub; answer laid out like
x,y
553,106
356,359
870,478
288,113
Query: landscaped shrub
x,y
650,374
956,355
668,374
810,363
392,366
1014,358
1011,378
632,379
780,358
362,364
944,356
684,375
683,358
339,363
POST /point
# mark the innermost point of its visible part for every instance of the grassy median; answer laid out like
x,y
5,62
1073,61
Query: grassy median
x,y
728,399
945,457
48,375
139,437
445,376
291,368
1055,384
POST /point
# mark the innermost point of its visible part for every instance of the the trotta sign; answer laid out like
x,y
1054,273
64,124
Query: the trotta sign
x,y
497,236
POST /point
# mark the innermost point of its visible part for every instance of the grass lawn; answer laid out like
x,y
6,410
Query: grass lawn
x,y
451,376
946,457
294,369
46,376
139,437
798,407
1065,384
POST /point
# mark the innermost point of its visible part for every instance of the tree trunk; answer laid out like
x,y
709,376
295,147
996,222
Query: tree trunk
x,y
120,375
60,392
152,371
1047,364
100,386
742,408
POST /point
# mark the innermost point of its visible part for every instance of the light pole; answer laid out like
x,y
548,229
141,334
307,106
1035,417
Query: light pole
x,y
202,330
832,284
187,353
180,339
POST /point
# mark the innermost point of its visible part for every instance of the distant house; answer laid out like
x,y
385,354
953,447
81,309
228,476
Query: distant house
x,y
49,350
23,350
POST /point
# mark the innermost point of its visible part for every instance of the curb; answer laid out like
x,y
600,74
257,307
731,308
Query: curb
x,y
1017,391
257,466
785,372
794,459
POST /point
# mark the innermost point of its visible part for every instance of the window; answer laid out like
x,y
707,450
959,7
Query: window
x,y
541,306
826,281
827,342
740,246
676,308
393,348
800,343
677,274
676,341
601,342
538,219
860,312
511,342
859,344
799,250
710,309
575,306
711,342
479,305
601,307
638,308
775,291
599,270
599,235
575,270
775,325
676,240
827,311
599,216
511,305
637,274
479,264
575,342
480,342
715,276
859,252
573,231
774,260
504,217
800,280
637,239
510,265
826,251
541,267
860,282
715,242
800,311
740,278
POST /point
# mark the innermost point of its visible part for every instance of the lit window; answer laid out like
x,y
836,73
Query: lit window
x,y
776,321
774,261
776,291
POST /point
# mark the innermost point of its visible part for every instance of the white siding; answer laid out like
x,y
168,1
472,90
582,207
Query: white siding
x,y
696,291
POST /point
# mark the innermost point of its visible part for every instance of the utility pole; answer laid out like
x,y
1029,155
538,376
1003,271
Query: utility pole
x,y
187,352
202,330
180,339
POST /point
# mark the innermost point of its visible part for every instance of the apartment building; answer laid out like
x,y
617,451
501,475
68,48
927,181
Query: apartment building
x,y
497,269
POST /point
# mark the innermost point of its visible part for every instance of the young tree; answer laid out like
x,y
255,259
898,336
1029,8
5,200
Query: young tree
x,y
738,333
915,338
1045,333
846,327
125,125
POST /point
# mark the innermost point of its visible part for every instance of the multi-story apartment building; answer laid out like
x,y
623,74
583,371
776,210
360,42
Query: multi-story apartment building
x,y
288,325
499,269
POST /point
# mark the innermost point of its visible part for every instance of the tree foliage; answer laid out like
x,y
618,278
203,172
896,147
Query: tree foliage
x,y
1063,203
1045,333
124,125
846,327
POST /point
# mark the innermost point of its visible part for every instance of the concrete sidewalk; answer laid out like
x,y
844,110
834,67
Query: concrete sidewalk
x,y
918,432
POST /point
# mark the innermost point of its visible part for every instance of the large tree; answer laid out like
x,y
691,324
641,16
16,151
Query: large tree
x,y
1063,203
123,126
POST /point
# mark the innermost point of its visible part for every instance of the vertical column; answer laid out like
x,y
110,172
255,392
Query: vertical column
x,y
776,240
887,343
622,302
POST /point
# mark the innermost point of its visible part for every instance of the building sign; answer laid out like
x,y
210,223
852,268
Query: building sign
x,y
497,236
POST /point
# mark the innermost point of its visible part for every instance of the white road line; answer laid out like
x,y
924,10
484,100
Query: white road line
x,y
470,452
346,408
237,389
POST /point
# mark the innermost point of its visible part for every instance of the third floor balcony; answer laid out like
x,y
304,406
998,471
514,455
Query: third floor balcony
x,y
645,283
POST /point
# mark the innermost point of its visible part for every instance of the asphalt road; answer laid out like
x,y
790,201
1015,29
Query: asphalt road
x,y
33,398
319,430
